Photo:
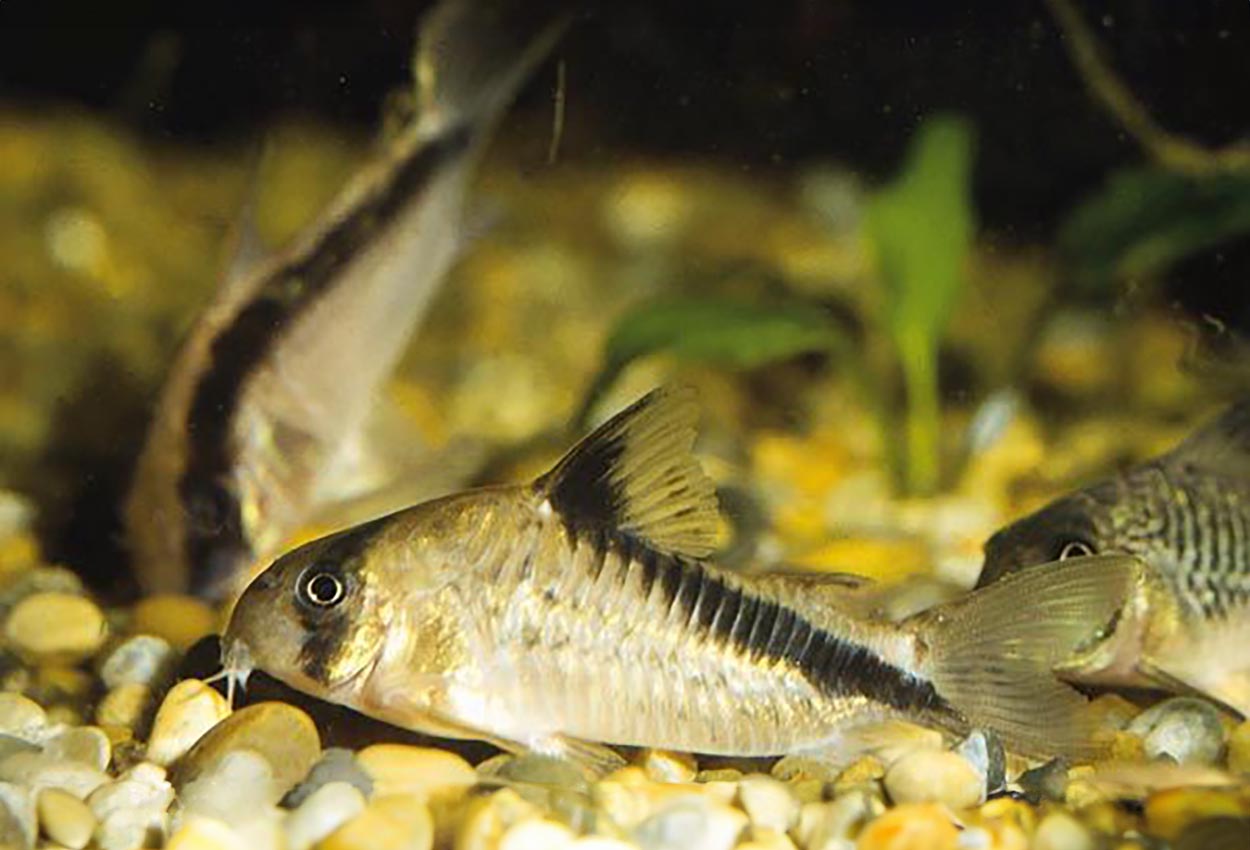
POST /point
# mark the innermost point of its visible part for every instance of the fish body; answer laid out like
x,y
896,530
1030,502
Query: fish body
x,y
272,390
1185,514
580,610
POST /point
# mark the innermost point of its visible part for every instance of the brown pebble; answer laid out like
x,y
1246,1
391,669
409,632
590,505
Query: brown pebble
x,y
285,736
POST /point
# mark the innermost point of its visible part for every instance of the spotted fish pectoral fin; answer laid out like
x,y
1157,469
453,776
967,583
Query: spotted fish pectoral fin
x,y
635,475
1222,446
993,652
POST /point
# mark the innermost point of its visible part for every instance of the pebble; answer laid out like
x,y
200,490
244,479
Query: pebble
x,y
983,749
55,627
768,803
10,745
142,659
21,717
600,842
336,765
911,826
64,818
432,774
391,822
84,744
485,819
1061,831
42,580
17,816
282,734
1047,781
537,834
1187,730
188,711
125,706
321,812
1168,812
238,786
934,776
201,833
665,766
143,788
691,823
38,770
127,829
829,826
179,620
1239,748
540,770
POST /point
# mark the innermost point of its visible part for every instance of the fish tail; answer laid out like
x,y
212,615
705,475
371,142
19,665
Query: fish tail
x,y
472,56
991,654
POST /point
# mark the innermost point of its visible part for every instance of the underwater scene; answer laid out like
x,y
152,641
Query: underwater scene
x,y
541,424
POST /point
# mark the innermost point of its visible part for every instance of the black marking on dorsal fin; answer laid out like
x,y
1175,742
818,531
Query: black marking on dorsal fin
x,y
1222,446
721,610
635,476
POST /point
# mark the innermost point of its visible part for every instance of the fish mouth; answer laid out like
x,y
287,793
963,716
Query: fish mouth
x,y
236,666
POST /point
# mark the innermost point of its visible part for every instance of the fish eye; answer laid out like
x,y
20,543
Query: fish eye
x,y
1075,549
322,589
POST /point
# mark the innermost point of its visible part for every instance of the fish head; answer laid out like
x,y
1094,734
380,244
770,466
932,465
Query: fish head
x,y
1069,527
316,618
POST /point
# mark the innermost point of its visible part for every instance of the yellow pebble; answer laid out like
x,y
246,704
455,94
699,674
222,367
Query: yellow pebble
x,y
1169,812
180,620
1125,746
188,711
201,833
1239,748
911,826
428,773
124,706
281,734
394,822
55,628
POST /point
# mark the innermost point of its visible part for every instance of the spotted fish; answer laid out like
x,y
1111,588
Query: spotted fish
x,y
581,610
268,399
1186,514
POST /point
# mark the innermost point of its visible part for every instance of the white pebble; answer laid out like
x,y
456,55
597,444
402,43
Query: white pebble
x,y
1182,728
84,744
189,710
142,660
36,771
143,788
21,717
935,776
239,786
322,812
17,815
1061,831
537,834
768,803
691,823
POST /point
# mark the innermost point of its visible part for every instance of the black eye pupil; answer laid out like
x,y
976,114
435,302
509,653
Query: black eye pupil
x,y
324,589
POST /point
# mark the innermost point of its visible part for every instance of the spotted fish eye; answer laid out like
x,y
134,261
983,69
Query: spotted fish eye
x,y
321,589
1074,549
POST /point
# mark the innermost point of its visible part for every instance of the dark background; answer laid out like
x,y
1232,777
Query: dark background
x,y
762,85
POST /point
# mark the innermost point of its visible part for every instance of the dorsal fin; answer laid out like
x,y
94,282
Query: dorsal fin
x,y
635,475
1222,445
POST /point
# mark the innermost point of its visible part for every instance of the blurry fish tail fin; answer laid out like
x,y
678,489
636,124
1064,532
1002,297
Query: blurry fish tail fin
x,y
1222,445
993,652
472,56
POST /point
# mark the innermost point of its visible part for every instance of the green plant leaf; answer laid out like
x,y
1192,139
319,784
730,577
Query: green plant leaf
x,y
725,332
920,228
1145,219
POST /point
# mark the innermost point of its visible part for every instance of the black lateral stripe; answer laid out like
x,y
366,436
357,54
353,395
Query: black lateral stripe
x,y
766,631
214,522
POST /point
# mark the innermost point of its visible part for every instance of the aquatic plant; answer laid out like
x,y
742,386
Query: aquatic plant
x,y
920,228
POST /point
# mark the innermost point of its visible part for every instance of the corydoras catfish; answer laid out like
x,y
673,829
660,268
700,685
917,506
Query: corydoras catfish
x,y
1186,514
580,610
271,390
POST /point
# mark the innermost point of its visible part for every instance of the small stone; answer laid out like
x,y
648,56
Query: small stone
x,y
84,744
38,770
131,809
1187,730
1239,748
285,736
202,833
542,770
179,620
665,766
125,706
421,771
1169,812
21,717
188,711
336,765
911,826
983,749
485,819
42,580
934,776
64,818
537,834
322,811
127,829
1061,831
829,826
17,816
142,659
1125,746
10,745
55,628
691,823
389,822
238,786
866,772
1048,781
768,803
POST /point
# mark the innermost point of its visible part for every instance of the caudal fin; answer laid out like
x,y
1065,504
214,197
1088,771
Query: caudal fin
x,y
993,652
